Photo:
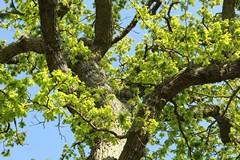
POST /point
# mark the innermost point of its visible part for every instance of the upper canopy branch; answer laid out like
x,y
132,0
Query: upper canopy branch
x,y
13,11
189,77
134,21
228,9
49,28
103,25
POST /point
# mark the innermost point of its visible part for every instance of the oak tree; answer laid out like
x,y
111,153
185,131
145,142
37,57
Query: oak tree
x,y
176,88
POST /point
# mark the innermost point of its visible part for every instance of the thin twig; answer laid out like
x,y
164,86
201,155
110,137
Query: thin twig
x,y
74,144
180,128
96,128
134,22
168,18
209,95
209,131
6,130
15,9
18,139
230,100
38,122
59,129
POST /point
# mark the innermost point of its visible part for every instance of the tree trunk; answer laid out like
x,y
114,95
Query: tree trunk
x,y
106,151
94,77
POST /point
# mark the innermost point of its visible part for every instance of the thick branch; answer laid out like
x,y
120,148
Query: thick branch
x,y
54,50
228,10
94,77
197,76
103,25
155,102
23,45
138,137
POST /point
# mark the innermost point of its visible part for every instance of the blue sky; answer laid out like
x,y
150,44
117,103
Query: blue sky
x,y
45,142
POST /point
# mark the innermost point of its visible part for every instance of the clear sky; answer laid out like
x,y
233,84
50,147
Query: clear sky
x,y
45,142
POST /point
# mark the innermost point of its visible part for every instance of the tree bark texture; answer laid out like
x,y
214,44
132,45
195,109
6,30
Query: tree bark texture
x,y
103,27
51,37
93,76
228,9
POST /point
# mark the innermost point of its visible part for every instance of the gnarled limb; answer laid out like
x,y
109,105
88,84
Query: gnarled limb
x,y
155,102
94,77
24,44
197,76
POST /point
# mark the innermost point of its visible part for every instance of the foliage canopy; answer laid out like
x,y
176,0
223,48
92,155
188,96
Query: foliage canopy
x,y
176,87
